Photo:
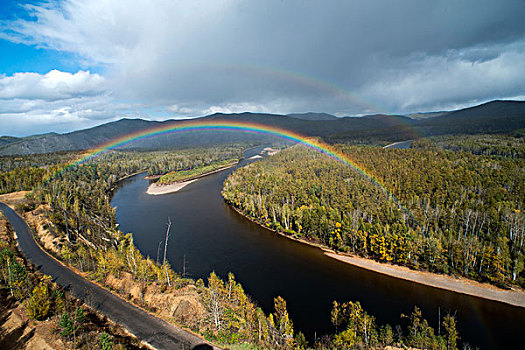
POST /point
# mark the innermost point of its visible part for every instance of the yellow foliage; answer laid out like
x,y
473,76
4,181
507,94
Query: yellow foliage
x,y
39,303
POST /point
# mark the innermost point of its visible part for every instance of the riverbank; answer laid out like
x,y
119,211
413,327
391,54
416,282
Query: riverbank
x,y
19,330
158,189
514,297
271,151
458,285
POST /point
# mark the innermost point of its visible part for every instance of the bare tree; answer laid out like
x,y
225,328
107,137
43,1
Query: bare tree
x,y
166,240
165,249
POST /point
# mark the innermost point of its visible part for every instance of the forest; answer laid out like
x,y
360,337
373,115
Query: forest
x,y
448,205
47,305
75,203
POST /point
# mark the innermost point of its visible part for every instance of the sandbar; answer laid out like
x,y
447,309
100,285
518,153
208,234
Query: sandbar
x,y
459,285
271,151
156,189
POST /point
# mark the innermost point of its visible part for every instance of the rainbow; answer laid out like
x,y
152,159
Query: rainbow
x,y
253,128
322,86
310,81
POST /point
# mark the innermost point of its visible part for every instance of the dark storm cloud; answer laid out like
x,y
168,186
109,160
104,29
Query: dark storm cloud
x,y
344,57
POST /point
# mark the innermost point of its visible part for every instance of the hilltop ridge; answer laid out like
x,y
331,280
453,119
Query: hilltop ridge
x,y
492,117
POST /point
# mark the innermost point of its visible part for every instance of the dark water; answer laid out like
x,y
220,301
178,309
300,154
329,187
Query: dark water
x,y
213,237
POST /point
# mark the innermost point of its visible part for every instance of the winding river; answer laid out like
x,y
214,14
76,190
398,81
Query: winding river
x,y
207,235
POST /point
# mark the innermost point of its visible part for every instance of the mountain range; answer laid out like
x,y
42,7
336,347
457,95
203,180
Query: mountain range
x,y
491,117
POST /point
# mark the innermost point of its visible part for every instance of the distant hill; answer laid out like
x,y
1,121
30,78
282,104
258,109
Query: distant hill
x,y
492,117
489,118
93,137
77,140
312,116
4,140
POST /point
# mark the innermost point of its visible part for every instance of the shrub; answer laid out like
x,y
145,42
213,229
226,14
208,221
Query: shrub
x,y
39,302
105,342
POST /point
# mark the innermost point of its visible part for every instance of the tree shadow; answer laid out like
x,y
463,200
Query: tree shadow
x,y
13,339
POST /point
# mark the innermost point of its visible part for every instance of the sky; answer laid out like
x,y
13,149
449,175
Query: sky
x,y
71,64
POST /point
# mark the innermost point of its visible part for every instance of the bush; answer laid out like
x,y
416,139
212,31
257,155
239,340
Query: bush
x,y
70,324
39,302
105,342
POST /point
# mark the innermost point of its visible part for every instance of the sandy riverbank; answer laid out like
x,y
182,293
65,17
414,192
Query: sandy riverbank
x,y
400,145
157,189
458,285
271,151
515,297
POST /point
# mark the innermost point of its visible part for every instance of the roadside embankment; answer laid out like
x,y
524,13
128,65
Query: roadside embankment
x,y
152,330
33,308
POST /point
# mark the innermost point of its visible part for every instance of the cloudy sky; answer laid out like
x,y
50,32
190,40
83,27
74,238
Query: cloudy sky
x,y
69,64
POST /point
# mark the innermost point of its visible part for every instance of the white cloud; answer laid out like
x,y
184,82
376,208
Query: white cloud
x,y
238,108
23,117
197,57
59,101
226,108
109,31
54,85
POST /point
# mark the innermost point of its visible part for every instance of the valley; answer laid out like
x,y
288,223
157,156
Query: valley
x,y
92,211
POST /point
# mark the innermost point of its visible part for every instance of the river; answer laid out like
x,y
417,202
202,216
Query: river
x,y
208,236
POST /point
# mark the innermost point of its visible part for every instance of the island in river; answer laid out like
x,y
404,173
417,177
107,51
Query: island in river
x,y
177,180
173,182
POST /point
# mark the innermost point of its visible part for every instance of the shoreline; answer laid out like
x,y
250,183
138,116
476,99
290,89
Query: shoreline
x,y
460,285
20,196
514,297
408,143
270,151
156,189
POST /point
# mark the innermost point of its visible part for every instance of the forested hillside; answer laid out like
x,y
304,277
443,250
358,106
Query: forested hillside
x,y
492,117
505,146
73,208
453,212
18,173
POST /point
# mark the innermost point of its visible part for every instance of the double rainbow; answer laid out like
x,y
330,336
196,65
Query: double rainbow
x,y
253,128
